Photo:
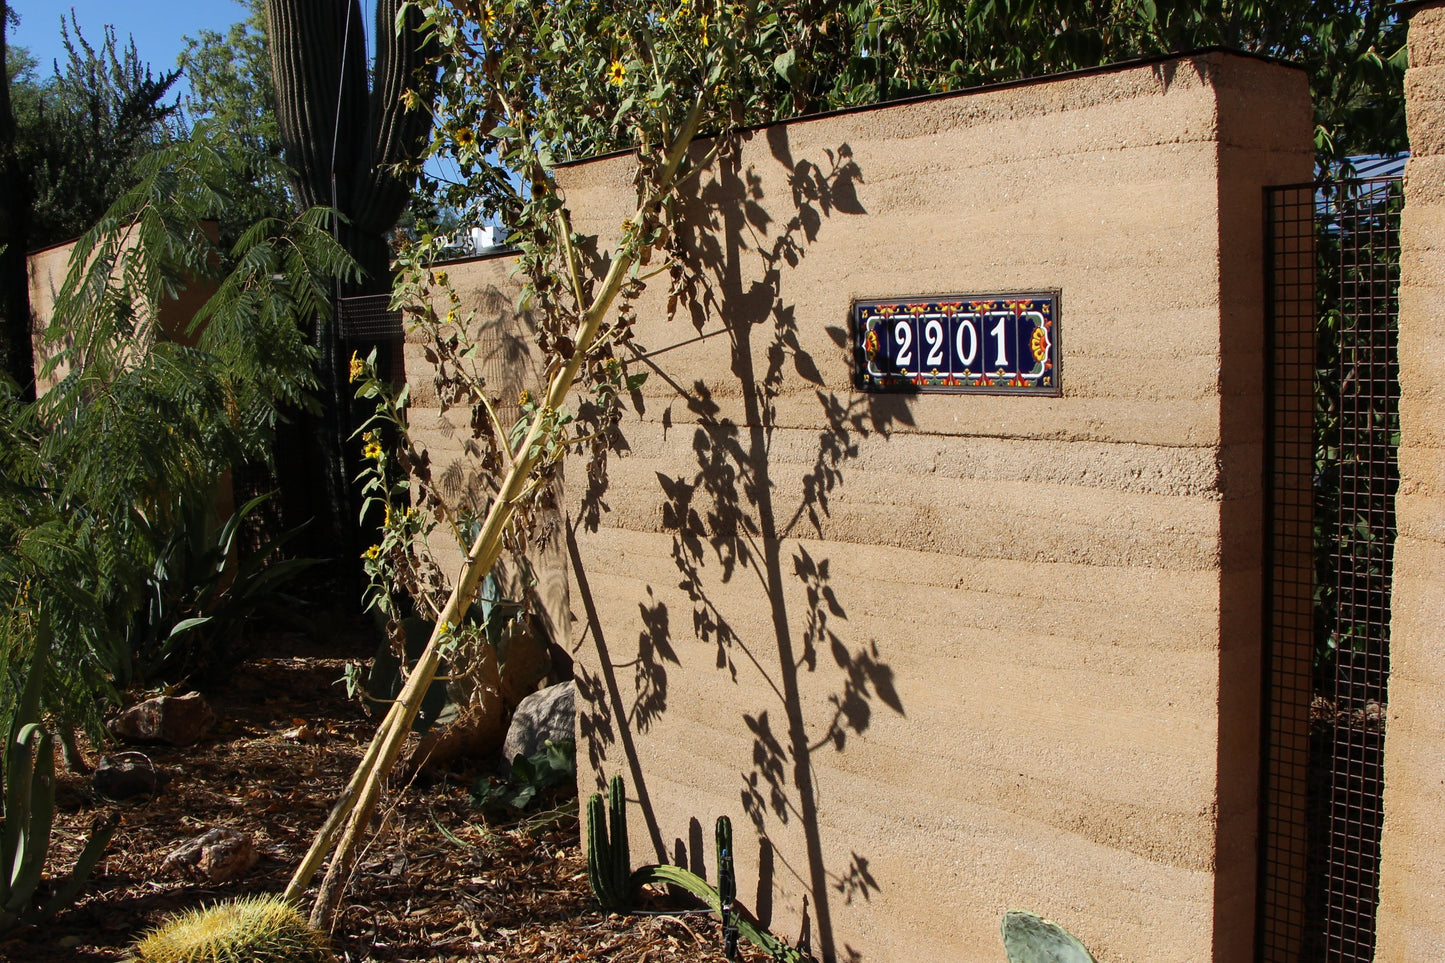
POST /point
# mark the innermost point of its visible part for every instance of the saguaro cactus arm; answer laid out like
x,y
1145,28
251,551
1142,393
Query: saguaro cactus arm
x,y
395,131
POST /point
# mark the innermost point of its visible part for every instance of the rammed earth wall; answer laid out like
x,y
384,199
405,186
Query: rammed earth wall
x,y
47,269
1411,920
940,656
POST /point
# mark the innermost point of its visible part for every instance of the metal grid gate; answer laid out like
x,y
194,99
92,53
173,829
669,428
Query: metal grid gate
x,y
1333,274
367,321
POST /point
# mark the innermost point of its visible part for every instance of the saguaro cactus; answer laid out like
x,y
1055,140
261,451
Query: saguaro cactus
x,y
340,135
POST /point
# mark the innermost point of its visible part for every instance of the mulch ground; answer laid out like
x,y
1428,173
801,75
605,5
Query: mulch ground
x,y
437,881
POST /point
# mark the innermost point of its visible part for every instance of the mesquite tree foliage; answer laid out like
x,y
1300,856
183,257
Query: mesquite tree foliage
x,y
98,474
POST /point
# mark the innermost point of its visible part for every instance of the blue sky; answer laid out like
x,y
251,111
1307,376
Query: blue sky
x,y
158,26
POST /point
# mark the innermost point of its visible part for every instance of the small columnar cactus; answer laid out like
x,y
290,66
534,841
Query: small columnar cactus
x,y
616,884
609,859
727,887
259,929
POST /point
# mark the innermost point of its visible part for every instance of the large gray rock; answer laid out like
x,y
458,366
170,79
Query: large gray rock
x,y
547,714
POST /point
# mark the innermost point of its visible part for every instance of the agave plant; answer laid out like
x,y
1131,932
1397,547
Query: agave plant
x,y
28,794
200,593
1029,938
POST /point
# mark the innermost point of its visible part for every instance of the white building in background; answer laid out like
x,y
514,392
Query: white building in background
x,y
474,241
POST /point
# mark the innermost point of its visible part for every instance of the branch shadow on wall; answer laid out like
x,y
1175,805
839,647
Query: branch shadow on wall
x,y
726,529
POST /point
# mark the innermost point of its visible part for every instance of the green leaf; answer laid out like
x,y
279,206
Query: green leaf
x,y
783,63
185,625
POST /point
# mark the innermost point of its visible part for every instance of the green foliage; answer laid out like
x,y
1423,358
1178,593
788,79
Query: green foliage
x,y
531,778
616,885
27,794
255,929
232,91
526,85
1032,939
866,52
99,475
82,134
201,592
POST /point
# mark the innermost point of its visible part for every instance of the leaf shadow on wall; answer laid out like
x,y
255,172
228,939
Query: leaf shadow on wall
x,y
727,530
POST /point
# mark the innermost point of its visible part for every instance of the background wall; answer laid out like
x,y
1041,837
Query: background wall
x,y
942,656
47,268
1411,920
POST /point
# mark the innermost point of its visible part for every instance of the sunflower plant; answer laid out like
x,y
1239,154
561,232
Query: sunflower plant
x,y
525,86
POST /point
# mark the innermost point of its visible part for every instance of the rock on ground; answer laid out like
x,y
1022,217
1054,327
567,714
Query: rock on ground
x,y
174,720
546,714
218,855
125,776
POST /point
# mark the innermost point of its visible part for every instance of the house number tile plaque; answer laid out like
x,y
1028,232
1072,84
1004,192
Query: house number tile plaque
x,y
969,343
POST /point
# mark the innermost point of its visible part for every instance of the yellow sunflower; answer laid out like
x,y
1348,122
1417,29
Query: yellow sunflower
x,y
616,73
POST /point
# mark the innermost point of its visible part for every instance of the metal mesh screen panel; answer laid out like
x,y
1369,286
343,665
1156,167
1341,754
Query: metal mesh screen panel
x,y
1365,435
368,321
1291,275
369,317
1333,270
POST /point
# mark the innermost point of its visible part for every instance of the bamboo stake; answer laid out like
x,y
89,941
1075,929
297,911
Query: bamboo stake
x,y
358,801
